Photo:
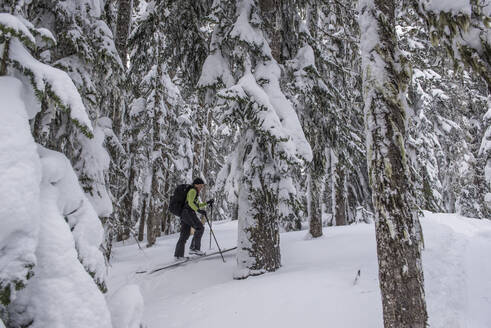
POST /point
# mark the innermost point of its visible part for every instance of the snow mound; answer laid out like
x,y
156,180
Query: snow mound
x,y
20,175
46,225
126,306
77,209
61,293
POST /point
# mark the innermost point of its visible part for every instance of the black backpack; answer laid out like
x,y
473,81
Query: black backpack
x,y
178,199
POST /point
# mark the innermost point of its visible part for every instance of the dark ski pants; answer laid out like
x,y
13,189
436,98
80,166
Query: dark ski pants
x,y
189,219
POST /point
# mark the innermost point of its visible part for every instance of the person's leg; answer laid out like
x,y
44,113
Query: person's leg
x,y
192,246
188,215
198,233
183,237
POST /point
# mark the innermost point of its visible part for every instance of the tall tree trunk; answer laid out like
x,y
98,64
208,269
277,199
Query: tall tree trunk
x,y
5,56
127,203
123,28
150,219
167,193
315,207
398,246
206,153
339,182
197,153
158,225
156,202
258,247
271,12
141,227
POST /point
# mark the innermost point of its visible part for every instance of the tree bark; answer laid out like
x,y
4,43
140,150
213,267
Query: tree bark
x,y
271,11
315,203
150,220
141,228
340,193
205,152
167,191
5,56
258,244
385,81
123,28
156,201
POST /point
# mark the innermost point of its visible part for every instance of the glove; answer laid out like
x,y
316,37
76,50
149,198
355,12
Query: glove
x,y
202,212
210,202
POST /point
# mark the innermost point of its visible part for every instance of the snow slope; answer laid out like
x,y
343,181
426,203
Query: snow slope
x,y
316,285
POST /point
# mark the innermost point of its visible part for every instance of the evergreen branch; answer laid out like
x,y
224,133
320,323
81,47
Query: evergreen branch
x,y
50,94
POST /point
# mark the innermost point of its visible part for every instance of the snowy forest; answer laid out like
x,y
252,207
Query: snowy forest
x,y
356,135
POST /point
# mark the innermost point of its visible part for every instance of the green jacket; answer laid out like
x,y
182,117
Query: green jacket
x,y
192,200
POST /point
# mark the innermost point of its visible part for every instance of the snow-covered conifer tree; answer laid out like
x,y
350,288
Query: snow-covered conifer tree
x,y
60,231
185,49
86,50
324,85
309,93
241,64
160,147
449,104
123,26
340,65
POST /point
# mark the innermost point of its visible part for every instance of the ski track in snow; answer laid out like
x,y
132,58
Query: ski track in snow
x,y
315,286
457,271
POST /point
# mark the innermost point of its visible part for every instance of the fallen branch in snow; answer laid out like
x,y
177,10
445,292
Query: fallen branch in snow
x,y
357,277
75,210
133,234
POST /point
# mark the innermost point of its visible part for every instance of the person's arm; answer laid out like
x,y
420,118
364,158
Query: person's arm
x,y
190,199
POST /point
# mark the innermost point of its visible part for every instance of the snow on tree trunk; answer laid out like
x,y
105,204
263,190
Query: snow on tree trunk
x,y
384,85
259,237
485,152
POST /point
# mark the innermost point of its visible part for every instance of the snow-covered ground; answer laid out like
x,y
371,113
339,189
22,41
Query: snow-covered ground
x,y
316,285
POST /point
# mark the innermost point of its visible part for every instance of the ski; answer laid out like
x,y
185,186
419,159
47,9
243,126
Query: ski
x,y
173,264
185,260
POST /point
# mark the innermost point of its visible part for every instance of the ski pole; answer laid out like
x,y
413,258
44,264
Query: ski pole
x,y
206,217
211,222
